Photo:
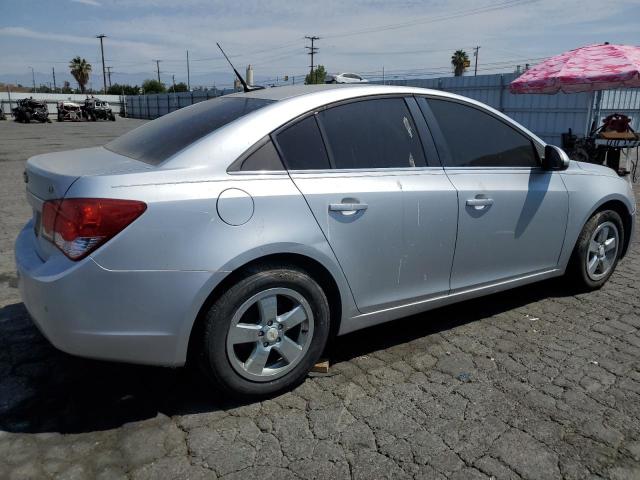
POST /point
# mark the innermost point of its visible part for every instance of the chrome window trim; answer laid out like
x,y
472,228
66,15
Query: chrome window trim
x,y
496,169
375,172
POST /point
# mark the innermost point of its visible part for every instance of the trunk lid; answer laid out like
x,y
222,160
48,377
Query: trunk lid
x,y
49,177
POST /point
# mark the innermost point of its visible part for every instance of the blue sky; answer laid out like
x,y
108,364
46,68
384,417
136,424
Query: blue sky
x,y
405,36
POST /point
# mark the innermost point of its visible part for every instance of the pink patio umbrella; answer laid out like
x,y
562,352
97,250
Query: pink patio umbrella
x,y
586,69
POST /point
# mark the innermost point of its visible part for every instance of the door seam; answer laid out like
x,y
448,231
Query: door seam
x,y
335,256
455,246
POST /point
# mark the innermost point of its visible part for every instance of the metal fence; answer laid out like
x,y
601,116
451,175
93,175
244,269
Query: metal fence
x,y
548,116
156,105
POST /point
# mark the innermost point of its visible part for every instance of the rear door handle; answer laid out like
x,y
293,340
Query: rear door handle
x,y
347,208
479,203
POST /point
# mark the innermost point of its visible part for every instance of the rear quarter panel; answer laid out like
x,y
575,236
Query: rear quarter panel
x,y
181,230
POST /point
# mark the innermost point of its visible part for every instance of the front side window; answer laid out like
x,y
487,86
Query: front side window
x,y
477,139
370,134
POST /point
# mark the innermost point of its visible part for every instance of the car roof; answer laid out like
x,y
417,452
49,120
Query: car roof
x,y
340,91
288,91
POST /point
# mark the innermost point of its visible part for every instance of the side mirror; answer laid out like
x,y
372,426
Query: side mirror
x,y
555,158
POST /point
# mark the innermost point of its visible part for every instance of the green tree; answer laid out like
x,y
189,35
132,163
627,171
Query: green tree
x,y
123,89
153,86
66,88
80,69
179,87
318,75
460,62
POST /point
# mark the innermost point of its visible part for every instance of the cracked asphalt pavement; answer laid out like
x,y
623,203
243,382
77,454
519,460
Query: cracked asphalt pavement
x,y
538,383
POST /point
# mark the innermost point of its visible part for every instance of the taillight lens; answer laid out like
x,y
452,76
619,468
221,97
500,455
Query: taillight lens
x,y
78,226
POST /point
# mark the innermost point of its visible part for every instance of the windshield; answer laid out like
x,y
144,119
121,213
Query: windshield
x,y
156,141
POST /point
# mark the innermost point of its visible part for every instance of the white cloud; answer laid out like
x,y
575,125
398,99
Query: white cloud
x,y
93,3
39,35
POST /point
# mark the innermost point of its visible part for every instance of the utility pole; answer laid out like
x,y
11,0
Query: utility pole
x,y
188,73
55,88
104,74
158,69
383,75
33,79
475,54
312,51
109,75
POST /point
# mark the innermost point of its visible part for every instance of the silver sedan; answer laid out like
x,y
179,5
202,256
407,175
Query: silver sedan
x,y
247,230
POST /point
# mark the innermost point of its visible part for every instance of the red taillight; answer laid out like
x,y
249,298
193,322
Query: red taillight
x,y
77,226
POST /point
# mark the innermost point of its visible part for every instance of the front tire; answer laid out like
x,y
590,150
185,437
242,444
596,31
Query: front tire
x,y
265,333
598,249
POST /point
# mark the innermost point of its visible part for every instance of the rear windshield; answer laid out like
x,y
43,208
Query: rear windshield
x,y
156,141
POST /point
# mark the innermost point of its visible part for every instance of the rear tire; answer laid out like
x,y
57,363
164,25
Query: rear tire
x,y
597,250
265,333
27,117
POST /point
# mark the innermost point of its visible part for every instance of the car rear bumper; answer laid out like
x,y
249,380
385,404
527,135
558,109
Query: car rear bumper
x,y
129,316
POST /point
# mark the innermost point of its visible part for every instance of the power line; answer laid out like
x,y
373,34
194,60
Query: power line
x,y
431,19
439,70
245,54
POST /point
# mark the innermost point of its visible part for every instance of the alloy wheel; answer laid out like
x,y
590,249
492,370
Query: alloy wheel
x,y
602,250
270,334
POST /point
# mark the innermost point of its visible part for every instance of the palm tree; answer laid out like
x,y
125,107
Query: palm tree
x,y
80,69
460,62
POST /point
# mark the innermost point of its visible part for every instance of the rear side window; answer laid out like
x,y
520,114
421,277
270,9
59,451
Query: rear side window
x,y
264,158
302,146
373,134
156,141
477,139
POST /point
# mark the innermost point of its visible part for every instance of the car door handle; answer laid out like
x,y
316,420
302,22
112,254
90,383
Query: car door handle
x,y
347,208
479,203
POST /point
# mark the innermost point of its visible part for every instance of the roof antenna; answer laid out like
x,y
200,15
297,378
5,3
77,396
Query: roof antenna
x,y
245,87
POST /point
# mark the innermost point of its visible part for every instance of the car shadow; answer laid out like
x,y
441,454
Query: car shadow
x,y
369,340
45,390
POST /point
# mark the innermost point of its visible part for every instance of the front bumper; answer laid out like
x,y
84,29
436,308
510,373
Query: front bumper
x,y
129,316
